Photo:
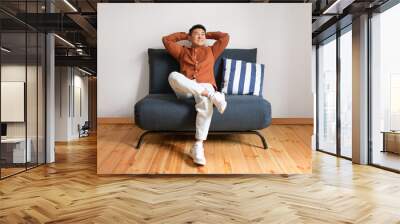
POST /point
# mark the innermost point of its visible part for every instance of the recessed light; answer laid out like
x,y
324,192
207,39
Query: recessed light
x,y
5,50
84,71
64,40
338,6
70,5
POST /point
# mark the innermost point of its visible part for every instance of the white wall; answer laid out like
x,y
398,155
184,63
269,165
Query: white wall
x,y
61,103
33,126
67,80
80,83
19,73
281,32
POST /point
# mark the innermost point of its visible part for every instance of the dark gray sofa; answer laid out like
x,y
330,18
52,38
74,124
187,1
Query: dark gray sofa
x,y
161,112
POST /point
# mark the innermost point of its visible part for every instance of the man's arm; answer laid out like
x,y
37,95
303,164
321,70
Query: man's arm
x,y
221,43
170,43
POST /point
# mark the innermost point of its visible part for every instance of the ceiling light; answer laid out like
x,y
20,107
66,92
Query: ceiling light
x,y
338,6
84,71
331,7
64,40
70,5
5,50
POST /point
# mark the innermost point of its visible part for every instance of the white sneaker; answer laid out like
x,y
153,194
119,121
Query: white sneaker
x,y
218,99
197,154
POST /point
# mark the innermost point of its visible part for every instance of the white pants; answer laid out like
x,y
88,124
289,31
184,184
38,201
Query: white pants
x,y
187,88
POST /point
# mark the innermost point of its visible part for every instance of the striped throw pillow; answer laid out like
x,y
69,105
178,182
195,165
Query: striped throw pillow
x,y
242,78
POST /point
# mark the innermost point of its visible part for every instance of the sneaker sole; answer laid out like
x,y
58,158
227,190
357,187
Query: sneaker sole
x,y
199,163
196,161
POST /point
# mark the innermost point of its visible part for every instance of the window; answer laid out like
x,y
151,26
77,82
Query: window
x,y
346,93
327,96
385,89
335,74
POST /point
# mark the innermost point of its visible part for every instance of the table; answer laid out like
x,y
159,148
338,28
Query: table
x,y
391,141
13,150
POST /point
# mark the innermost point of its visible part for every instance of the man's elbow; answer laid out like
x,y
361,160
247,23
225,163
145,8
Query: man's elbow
x,y
226,38
164,40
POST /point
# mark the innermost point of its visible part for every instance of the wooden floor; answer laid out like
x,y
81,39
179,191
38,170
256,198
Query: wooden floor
x,y
10,171
289,152
70,191
5,172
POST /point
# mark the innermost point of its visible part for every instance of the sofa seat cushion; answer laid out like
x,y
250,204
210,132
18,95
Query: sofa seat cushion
x,y
164,112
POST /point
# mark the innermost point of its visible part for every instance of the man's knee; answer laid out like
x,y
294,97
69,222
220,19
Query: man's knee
x,y
173,76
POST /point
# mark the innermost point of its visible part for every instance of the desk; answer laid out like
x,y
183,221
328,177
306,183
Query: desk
x,y
13,150
391,141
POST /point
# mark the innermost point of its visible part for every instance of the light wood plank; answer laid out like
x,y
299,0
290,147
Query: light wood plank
x,y
289,152
293,121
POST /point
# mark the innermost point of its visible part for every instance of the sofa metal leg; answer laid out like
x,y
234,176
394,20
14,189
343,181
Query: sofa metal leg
x,y
142,136
262,139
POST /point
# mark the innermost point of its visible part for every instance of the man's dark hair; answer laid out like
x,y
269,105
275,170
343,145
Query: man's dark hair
x,y
197,26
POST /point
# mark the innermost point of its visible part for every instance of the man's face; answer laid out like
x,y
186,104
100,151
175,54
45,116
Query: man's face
x,y
198,37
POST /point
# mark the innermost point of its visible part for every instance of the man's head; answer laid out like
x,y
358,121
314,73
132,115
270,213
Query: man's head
x,y
197,35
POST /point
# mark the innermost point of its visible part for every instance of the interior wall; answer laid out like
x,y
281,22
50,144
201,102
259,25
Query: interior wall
x,y
69,84
62,80
79,115
280,32
17,73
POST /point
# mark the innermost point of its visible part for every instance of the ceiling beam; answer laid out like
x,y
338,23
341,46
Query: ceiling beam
x,y
85,25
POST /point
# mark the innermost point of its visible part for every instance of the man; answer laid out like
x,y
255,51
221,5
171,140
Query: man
x,y
196,78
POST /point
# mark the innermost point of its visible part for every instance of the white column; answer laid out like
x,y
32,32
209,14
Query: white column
x,y
50,100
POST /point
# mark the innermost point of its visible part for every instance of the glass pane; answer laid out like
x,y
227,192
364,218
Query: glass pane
x,y
346,93
13,87
386,89
31,100
327,96
31,84
41,98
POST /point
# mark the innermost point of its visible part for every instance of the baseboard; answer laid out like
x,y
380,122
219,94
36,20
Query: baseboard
x,y
299,121
276,121
115,120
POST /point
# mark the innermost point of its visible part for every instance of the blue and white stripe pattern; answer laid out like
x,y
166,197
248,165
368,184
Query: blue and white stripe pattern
x,y
242,78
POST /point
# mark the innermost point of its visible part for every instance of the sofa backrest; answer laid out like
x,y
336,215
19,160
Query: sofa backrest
x,y
162,64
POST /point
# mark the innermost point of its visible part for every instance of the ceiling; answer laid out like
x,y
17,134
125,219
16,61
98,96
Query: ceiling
x,y
76,21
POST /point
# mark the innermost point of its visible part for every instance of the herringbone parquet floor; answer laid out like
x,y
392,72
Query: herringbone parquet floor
x,y
70,191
